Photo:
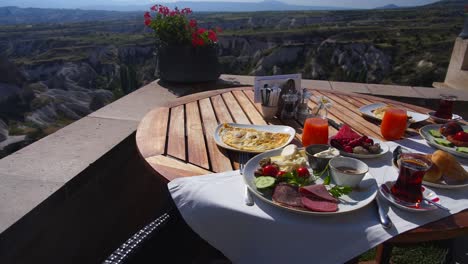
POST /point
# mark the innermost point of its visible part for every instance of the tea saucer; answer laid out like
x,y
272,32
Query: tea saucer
x,y
443,120
414,207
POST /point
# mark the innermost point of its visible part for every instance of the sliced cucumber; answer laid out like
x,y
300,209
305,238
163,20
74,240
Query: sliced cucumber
x,y
443,142
462,149
264,182
435,133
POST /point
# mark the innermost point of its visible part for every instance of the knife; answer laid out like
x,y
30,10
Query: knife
x,y
383,216
334,124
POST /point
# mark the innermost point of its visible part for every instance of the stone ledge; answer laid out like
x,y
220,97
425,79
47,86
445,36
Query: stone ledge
x,y
135,105
45,166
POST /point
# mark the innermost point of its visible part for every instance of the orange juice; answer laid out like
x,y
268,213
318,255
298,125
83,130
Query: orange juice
x,y
315,131
393,124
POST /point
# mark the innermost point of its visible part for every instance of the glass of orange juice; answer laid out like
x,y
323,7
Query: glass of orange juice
x,y
393,124
315,131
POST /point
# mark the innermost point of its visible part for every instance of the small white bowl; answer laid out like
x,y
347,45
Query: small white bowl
x,y
346,178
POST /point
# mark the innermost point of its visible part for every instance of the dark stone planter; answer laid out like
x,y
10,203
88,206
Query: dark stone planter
x,y
188,64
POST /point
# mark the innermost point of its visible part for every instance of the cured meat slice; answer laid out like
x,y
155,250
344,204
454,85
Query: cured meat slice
x,y
319,205
318,191
346,132
288,195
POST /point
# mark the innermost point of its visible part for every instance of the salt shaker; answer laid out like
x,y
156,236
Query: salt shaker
x,y
289,105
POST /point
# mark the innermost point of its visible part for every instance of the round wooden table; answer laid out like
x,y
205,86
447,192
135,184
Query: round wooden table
x,y
177,141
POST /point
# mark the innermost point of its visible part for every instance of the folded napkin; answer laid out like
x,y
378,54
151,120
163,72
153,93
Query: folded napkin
x,y
213,205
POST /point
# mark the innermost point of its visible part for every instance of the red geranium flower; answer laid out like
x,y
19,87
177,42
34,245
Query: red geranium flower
x,y
147,22
174,26
186,11
212,36
193,23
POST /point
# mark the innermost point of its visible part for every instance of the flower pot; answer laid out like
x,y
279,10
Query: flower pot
x,y
188,64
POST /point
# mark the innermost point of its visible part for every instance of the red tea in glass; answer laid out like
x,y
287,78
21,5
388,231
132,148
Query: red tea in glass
x,y
445,110
408,185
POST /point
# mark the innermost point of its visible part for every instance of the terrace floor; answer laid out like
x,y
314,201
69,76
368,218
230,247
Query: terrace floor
x,y
77,194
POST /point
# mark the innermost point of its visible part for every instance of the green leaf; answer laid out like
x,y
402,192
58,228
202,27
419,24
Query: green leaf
x,y
338,191
327,180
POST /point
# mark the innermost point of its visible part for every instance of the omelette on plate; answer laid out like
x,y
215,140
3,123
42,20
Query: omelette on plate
x,y
251,139
380,112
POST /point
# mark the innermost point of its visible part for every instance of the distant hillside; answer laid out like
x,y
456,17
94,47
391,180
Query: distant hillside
x,y
202,6
211,6
390,6
449,4
16,15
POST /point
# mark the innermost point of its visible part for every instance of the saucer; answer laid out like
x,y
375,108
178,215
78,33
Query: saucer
x,y
443,120
414,207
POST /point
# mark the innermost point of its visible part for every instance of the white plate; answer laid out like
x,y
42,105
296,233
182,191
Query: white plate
x,y
443,184
383,146
424,131
367,110
414,207
268,128
357,199
443,120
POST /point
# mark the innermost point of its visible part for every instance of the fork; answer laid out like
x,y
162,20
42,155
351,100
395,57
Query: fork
x,y
243,158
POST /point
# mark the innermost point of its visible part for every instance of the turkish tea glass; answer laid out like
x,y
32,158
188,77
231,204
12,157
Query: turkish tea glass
x,y
413,166
445,110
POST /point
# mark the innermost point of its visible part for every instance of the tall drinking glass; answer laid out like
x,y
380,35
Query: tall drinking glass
x,y
413,166
445,110
315,131
394,124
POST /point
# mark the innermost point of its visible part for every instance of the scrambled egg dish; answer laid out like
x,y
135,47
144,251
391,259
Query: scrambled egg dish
x,y
251,139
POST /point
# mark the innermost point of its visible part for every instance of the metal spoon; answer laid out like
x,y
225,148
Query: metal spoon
x,y
438,205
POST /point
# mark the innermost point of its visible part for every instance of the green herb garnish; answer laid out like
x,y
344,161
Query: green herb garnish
x,y
338,191
293,179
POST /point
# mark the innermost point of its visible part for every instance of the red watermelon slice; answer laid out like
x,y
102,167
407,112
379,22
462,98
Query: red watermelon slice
x,y
346,132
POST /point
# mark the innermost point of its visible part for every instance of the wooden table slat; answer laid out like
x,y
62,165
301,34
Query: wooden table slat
x,y
236,111
218,157
153,132
249,108
174,168
196,144
221,110
176,140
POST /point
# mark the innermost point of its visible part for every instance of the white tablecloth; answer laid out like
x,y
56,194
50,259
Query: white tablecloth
x,y
213,205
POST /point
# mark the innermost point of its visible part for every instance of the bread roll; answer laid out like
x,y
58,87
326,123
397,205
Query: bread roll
x,y
449,166
434,173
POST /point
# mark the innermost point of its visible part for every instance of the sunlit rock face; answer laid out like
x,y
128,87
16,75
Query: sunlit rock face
x,y
313,56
